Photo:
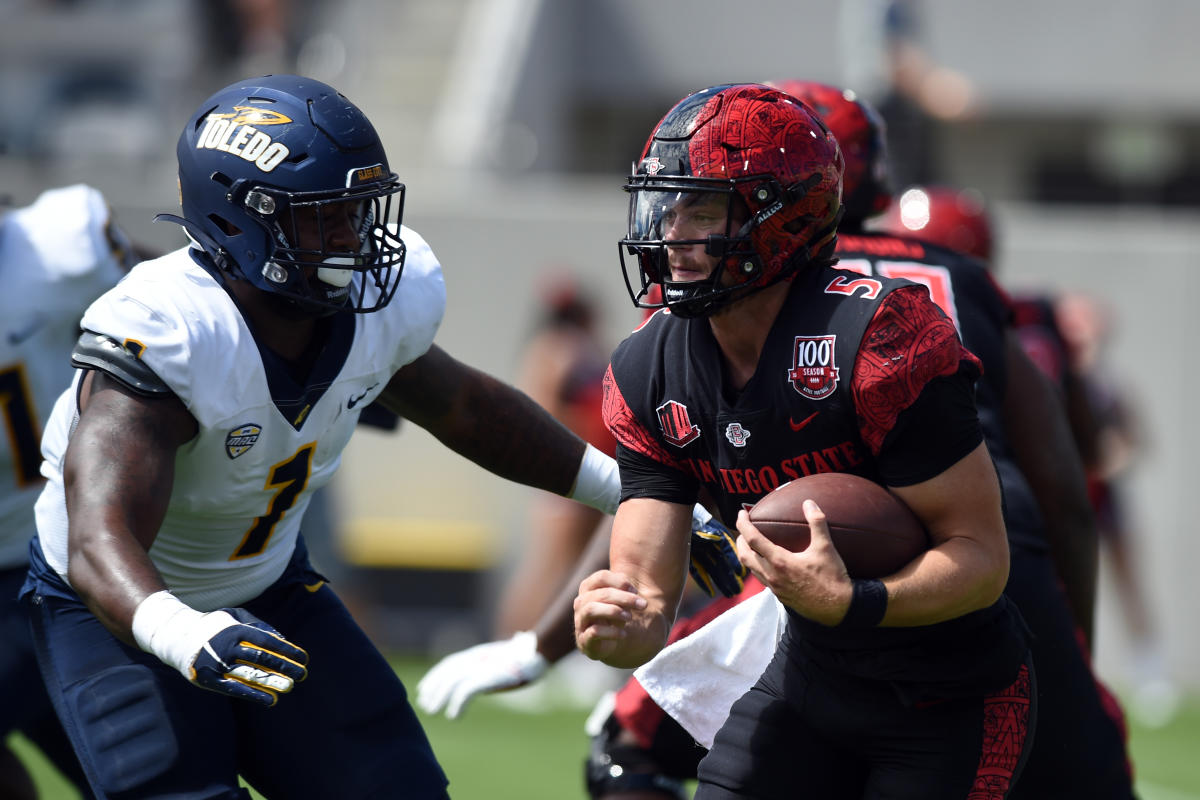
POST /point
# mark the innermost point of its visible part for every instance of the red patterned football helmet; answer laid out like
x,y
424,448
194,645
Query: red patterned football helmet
x,y
862,135
953,218
767,162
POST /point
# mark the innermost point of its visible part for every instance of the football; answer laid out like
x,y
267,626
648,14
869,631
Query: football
x,y
874,532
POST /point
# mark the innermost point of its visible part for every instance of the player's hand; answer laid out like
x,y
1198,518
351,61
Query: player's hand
x,y
606,602
247,658
813,582
490,667
714,561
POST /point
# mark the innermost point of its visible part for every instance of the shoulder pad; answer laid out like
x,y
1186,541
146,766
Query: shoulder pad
x,y
121,361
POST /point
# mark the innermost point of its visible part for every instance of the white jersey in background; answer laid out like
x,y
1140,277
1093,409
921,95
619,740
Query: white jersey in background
x,y
56,256
265,444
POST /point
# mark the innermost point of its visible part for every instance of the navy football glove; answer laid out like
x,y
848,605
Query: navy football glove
x,y
714,565
249,660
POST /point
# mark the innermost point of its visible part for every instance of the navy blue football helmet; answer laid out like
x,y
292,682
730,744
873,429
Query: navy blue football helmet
x,y
284,183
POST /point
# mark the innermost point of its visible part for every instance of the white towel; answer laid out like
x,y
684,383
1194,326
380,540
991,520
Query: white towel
x,y
697,679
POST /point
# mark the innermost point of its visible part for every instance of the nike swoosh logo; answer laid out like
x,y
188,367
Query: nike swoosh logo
x,y
796,426
353,401
21,334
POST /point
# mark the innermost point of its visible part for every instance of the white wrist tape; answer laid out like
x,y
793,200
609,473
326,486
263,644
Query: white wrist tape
x,y
168,628
598,483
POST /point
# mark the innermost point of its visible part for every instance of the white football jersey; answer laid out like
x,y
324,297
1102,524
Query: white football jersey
x,y
55,259
265,443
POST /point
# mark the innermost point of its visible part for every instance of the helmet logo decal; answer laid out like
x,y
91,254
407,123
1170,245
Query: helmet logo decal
x,y
226,132
253,115
676,425
814,373
241,439
736,434
653,166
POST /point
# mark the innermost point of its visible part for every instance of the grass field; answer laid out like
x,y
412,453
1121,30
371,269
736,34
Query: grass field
x,y
496,752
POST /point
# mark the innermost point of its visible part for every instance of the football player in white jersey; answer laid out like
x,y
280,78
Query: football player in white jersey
x,y
216,389
56,256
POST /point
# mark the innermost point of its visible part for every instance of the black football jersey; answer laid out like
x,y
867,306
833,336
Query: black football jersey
x,y
858,374
822,398
963,289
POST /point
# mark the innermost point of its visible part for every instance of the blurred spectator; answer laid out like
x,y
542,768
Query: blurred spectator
x,y
562,367
907,86
267,36
1086,326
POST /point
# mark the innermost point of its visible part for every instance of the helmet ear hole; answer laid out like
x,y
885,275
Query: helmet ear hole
x,y
227,227
798,224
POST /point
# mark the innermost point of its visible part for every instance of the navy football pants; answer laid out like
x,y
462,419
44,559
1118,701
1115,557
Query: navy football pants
x,y
142,730
24,705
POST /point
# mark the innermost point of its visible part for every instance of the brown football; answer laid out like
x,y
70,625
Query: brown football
x,y
874,532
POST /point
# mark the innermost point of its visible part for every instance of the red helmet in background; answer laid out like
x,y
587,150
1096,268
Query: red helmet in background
x,y
953,218
766,161
861,133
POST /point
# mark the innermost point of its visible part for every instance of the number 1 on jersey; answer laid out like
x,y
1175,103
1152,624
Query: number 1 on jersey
x,y
16,403
288,478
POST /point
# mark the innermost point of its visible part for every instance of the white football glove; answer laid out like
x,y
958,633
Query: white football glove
x,y
489,667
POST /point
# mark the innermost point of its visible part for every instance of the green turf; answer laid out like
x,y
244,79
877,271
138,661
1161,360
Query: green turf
x,y
493,752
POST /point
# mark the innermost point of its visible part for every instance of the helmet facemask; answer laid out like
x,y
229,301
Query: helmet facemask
x,y
329,247
677,213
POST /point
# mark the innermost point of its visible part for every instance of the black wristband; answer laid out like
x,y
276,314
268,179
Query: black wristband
x,y
868,604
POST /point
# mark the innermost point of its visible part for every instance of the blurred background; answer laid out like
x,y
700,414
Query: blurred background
x,y
513,123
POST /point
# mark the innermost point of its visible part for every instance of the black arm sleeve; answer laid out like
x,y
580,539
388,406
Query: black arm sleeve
x,y
932,434
642,476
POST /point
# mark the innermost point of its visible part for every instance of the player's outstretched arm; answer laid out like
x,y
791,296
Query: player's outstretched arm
x,y
624,614
510,663
501,429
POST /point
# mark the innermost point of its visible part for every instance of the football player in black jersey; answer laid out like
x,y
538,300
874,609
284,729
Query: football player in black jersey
x,y
917,685
1080,750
